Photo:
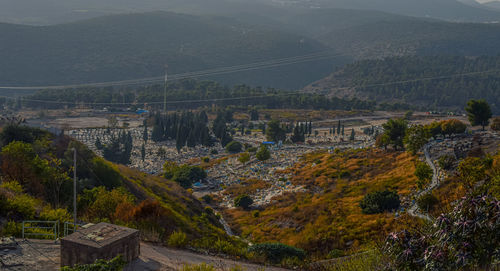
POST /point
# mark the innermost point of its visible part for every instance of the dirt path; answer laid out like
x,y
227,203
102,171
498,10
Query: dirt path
x,y
162,258
414,210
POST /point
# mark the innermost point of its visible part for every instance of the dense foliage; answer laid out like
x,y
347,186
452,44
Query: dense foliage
x,y
185,175
115,264
276,252
199,93
186,128
369,78
119,149
379,202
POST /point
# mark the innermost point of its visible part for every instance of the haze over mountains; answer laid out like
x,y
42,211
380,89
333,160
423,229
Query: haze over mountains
x,y
220,33
57,11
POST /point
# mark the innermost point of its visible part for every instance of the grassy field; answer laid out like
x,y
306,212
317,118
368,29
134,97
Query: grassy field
x,y
328,216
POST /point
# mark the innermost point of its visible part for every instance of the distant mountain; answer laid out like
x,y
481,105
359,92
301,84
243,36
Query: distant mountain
x,y
139,45
428,82
373,34
451,10
46,12
493,4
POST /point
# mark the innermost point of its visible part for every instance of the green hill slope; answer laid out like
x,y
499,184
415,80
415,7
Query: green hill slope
x,y
368,80
139,45
35,184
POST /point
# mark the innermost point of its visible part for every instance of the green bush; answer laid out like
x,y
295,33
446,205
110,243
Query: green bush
x,y
207,199
234,147
252,149
116,264
198,267
244,157
277,252
11,228
243,201
263,154
205,159
177,239
427,202
186,175
214,151
446,162
379,202
424,174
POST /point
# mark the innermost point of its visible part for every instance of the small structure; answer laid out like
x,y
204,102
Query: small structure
x,y
101,241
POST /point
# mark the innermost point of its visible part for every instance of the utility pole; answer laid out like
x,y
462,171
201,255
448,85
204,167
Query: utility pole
x,y
74,188
165,92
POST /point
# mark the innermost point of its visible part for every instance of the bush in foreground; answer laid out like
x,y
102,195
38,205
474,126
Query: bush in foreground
x,y
277,252
116,264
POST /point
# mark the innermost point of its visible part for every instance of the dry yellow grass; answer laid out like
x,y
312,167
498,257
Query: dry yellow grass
x,y
330,217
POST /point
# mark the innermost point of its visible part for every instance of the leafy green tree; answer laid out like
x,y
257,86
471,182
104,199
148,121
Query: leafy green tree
x,y
254,115
234,147
298,135
275,132
379,202
453,126
244,157
424,173
427,202
243,201
143,152
479,112
263,153
395,130
416,137
145,132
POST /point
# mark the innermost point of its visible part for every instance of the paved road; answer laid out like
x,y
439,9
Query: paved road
x,y
162,258
414,210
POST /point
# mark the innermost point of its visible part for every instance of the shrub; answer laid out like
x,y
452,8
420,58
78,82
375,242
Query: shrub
x,y
495,124
424,174
243,201
205,159
214,151
379,202
277,252
199,267
244,157
186,175
446,162
453,126
12,228
177,239
234,147
116,264
427,202
207,199
263,154
252,149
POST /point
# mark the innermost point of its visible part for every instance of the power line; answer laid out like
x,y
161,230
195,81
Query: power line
x,y
215,71
269,95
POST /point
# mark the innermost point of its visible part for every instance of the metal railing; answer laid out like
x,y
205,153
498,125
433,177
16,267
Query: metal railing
x,y
70,227
48,228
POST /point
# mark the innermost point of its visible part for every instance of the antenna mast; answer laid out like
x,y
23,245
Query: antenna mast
x,y
165,91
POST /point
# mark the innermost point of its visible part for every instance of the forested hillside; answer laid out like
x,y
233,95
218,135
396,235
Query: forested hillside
x,y
199,93
35,172
139,45
135,46
392,80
